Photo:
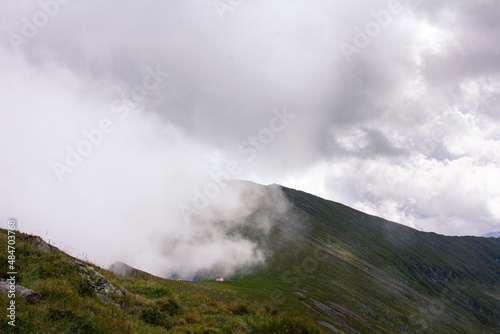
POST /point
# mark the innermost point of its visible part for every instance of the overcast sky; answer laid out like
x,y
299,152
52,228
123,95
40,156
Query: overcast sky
x,y
116,116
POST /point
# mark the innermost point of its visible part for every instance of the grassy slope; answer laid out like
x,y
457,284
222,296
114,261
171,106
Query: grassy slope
x,y
351,272
66,302
390,276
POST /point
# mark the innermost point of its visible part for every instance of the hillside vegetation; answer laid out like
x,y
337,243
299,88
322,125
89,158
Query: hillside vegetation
x,y
329,269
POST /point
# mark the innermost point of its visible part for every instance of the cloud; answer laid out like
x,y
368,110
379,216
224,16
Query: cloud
x,y
407,129
229,235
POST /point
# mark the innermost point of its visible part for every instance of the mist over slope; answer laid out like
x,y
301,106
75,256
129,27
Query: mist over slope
x,y
56,293
362,271
354,270
215,237
279,248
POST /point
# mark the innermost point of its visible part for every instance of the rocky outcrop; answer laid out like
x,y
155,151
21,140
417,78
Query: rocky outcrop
x,y
21,291
42,245
122,269
98,282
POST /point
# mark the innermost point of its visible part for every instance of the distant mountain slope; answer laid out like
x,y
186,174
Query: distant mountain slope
x,y
327,264
493,235
366,273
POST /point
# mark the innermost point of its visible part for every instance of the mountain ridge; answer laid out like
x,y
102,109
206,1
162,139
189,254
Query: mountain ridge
x,y
492,235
